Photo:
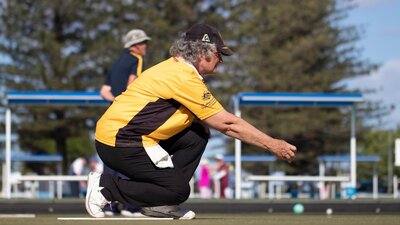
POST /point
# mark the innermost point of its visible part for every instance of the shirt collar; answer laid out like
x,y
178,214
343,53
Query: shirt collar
x,y
191,65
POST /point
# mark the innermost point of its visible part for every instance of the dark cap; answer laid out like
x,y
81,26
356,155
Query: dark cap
x,y
208,34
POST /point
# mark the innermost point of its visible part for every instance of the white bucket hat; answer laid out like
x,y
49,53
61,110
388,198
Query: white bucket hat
x,y
219,157
134,36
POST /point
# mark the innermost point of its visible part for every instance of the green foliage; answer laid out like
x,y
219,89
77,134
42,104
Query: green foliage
x,y
81,146
381,143
68,45
295,46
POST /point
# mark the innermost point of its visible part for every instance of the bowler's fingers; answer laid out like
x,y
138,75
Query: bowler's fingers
x,y
293,148
291,154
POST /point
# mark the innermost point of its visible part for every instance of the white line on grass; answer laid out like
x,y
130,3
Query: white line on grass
x,y
17,215
91,218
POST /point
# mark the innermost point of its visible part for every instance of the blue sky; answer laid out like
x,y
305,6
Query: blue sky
x,y
380,42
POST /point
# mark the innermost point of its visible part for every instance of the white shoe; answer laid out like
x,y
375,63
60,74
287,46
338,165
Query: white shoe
x,y
95,201
169,211
108,213
128,213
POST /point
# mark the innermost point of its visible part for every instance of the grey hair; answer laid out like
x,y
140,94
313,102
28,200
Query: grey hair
x,y
192,50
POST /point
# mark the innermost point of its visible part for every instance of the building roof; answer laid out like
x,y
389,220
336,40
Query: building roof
x,y
22,157
55,97
299,99
346,158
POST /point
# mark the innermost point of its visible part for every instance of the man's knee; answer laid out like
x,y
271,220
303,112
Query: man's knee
x,y
183,193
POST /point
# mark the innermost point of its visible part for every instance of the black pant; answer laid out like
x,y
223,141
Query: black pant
x,y
114,205
148,184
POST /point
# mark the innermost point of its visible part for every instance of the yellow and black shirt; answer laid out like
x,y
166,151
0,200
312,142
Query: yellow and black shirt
x,y
160,103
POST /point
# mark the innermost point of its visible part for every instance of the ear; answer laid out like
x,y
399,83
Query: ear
x,y
206,57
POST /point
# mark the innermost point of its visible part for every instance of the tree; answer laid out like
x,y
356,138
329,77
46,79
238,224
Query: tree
x,y
53,46
68,45
295,46
382,143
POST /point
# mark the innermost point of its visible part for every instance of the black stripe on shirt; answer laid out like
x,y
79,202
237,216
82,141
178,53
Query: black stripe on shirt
x,y
151,117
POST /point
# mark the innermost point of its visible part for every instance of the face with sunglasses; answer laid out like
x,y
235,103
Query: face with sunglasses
x,y
208,65
219,55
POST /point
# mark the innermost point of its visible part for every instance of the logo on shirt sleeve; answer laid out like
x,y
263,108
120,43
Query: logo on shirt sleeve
x,y
206,95
209,100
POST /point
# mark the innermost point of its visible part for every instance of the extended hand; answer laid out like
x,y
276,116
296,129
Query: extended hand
x,y
283,150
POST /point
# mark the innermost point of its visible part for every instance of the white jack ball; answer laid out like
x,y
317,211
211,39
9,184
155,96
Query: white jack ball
x,y
329,211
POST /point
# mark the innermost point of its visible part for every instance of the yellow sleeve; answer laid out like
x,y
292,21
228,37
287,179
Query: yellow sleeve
x,y
195,96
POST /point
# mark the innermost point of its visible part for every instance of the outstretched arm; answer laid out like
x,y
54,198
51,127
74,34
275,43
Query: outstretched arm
x,y
236,127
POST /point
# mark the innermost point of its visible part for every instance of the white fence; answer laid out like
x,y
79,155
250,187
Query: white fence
x,y
59,179
271,185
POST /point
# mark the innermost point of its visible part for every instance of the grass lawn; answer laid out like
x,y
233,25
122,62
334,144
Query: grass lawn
x,y
226,219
